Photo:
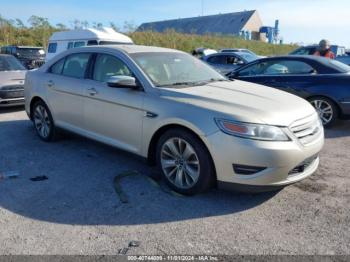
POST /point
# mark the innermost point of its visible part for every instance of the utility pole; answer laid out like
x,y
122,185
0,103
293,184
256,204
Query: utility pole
x,y
202,7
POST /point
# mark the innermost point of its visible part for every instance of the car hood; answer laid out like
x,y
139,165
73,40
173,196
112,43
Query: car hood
x,y
243,101
9,78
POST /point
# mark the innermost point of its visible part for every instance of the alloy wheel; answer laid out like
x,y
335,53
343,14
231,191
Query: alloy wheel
x,y
42,121
180,163
324,110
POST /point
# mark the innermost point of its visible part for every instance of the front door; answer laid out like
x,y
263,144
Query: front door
x,y
113,115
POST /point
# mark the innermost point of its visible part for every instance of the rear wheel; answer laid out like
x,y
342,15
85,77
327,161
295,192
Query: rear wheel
x,y
43,122
185,162
326,109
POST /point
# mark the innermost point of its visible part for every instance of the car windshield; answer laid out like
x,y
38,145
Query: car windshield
x,y
175,69
9,63
30,51
248,56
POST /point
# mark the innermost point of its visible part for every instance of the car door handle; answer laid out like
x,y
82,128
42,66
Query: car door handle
x,y
92,91
50,83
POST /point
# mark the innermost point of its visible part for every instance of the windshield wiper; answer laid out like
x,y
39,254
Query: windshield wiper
x,y
218,80
194,83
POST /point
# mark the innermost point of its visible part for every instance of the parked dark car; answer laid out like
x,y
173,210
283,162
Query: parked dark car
x,y
30,57
225,62
12,75
340,53
311,49
323,82
344,59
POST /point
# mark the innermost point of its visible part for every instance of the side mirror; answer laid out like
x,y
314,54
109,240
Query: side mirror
x,y
122,82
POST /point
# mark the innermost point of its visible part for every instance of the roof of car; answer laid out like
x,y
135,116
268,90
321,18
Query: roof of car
x,y
322,63
297,57
131,49
5,55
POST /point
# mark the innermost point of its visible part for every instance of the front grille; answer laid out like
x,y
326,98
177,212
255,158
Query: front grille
x,y
307,130
7,92
38,63
303,166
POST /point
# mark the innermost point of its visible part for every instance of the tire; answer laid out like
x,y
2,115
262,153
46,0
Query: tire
x,y
43,122
326,109
184,162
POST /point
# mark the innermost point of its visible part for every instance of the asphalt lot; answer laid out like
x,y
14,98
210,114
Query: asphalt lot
x,y
76,211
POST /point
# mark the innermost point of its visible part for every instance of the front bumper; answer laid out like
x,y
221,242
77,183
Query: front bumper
x,y
11,97
280,161
12,102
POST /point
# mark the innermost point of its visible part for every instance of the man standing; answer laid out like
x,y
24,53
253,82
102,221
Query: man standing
x,y
324,50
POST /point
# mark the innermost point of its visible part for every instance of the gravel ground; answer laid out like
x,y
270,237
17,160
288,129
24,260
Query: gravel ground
x,y
76,211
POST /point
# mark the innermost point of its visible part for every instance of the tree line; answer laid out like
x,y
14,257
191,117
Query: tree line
x,y
37,30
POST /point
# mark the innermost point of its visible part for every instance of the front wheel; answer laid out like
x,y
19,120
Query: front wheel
x,y
43,122
326,109
185,162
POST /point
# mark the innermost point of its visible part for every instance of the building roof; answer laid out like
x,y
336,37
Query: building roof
x,y
231,23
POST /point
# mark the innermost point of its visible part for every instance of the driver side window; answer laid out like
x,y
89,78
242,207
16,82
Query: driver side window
x,y
232,60
279,67
253,70
107,66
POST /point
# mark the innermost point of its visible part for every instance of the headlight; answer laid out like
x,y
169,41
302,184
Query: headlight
x,y
252,131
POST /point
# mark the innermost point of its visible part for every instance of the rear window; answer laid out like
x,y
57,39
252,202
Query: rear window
x,y
57,67
75,65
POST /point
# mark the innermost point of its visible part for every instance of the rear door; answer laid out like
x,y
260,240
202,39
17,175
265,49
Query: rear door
x,y
66,85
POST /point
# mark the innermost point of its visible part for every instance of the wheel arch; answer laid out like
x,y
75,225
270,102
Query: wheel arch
x,y
340,112
151,154
34,100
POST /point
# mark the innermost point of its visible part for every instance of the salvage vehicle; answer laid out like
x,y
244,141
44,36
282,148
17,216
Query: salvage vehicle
x,y
31,57
169,107
12,74
321,81
225,62
62,41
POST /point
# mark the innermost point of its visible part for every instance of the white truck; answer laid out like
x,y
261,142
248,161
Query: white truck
x,y
61,41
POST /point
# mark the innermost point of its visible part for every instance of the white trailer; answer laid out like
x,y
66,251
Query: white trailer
x,y
61,41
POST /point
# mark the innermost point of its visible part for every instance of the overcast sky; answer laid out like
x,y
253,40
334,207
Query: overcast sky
x,y
301,20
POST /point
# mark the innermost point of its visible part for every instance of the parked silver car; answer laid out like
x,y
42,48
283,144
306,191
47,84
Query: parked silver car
x,y
179,113
12,74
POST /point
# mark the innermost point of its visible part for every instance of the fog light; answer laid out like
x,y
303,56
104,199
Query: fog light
x,y
247,170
